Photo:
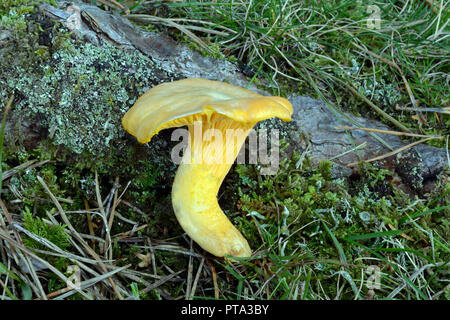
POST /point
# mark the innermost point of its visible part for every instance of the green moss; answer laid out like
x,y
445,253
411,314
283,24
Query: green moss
x,y
325,169
54,233
8,5
282,214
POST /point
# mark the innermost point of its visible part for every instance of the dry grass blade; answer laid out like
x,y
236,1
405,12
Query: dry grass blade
x,y
27,251
375,107
136,209
10,220
89,220
99,198
13,171
152,253
112,213
122,218
31,269
358,147
104,215
203,22
189,275
90,282
417,273
395,151
448,154
438,110
214,277
53,247
173,249
77,236
56,251
145,18
338,113
197,277
127,234
206,30
395,133
116,5
58,292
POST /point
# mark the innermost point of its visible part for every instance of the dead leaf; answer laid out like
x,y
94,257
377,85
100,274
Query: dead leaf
x,y
404,235
145,259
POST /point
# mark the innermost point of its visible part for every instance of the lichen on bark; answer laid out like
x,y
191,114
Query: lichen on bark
x,y
76,90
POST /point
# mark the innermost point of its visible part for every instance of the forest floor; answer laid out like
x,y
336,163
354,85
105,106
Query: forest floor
x,y
315,236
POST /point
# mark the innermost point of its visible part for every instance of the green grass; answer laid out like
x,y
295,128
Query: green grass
x,y
358,65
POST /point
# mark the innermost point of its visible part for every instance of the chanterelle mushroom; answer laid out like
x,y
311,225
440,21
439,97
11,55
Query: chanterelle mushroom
x,y
213,105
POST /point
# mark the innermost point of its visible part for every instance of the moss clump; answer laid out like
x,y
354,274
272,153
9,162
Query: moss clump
x,y
53,233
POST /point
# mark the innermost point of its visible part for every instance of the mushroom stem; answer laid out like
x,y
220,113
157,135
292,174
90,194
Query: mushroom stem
x,y
197,182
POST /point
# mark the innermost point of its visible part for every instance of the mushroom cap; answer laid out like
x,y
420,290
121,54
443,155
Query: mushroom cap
x,y
179,103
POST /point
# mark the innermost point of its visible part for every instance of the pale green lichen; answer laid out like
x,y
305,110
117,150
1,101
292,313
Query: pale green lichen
x,y
83,93
77,90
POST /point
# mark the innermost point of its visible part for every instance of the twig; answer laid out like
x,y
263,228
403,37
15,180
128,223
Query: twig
x,y
189,275
214,277
395,151
159,282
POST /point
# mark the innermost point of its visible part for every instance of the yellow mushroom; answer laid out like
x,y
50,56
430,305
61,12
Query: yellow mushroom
x,y
203,105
